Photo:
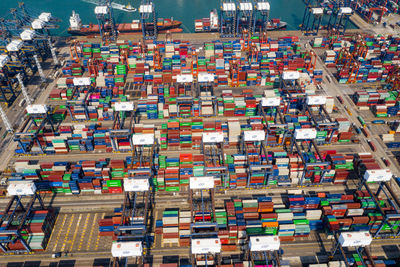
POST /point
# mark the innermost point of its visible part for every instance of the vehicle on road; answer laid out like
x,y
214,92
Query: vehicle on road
x,y
361,120
56,255
372,145
387,162
329,78
365,132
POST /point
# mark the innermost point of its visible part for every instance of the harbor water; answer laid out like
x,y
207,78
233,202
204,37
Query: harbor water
x,y
186,11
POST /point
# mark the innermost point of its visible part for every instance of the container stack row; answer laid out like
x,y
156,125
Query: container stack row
x,y
298,216
35,232
173,173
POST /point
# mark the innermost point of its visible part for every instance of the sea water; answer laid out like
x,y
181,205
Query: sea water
x,y
186,11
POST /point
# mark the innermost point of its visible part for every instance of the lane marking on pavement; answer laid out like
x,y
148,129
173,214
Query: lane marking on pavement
x,y
67,234
76,231
84,231
89,240
98,236
59,231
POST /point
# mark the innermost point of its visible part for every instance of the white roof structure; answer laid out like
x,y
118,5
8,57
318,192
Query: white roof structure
x,y
253,136
345,10
317,11
38,24
263,6
127,249
213,137
15,45
201,182
124,106
228,7
146,8
184,78
101,10
21,188
37,109
305,133
142,139
27,35
290,75
82,81
380,175
205,77
316,100
136,185
270,101
4,59
245,6
45,16
355,239
206,245
264,243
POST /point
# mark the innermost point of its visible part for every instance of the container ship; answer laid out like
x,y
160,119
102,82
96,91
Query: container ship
x,y
135,27
211,24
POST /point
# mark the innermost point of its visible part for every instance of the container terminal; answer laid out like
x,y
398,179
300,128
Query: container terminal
x,y
236,146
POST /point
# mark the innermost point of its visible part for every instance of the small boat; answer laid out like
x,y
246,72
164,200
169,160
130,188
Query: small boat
x,y
129,8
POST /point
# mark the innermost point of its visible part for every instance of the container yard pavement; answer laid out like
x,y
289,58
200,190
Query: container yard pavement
x,y
78,232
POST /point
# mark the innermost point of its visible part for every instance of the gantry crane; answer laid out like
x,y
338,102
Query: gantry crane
x,y
148,19
244,20
260,16
119,134
227,19
312,17
105,20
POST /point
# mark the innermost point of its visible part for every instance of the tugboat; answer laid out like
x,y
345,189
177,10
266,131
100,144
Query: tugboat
x,y
129,8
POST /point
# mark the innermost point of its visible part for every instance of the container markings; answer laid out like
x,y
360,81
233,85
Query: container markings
x,y
84,231
60,231
67,234
89,240
76,232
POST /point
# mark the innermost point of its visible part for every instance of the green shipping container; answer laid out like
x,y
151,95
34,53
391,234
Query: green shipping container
x,y
114,183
